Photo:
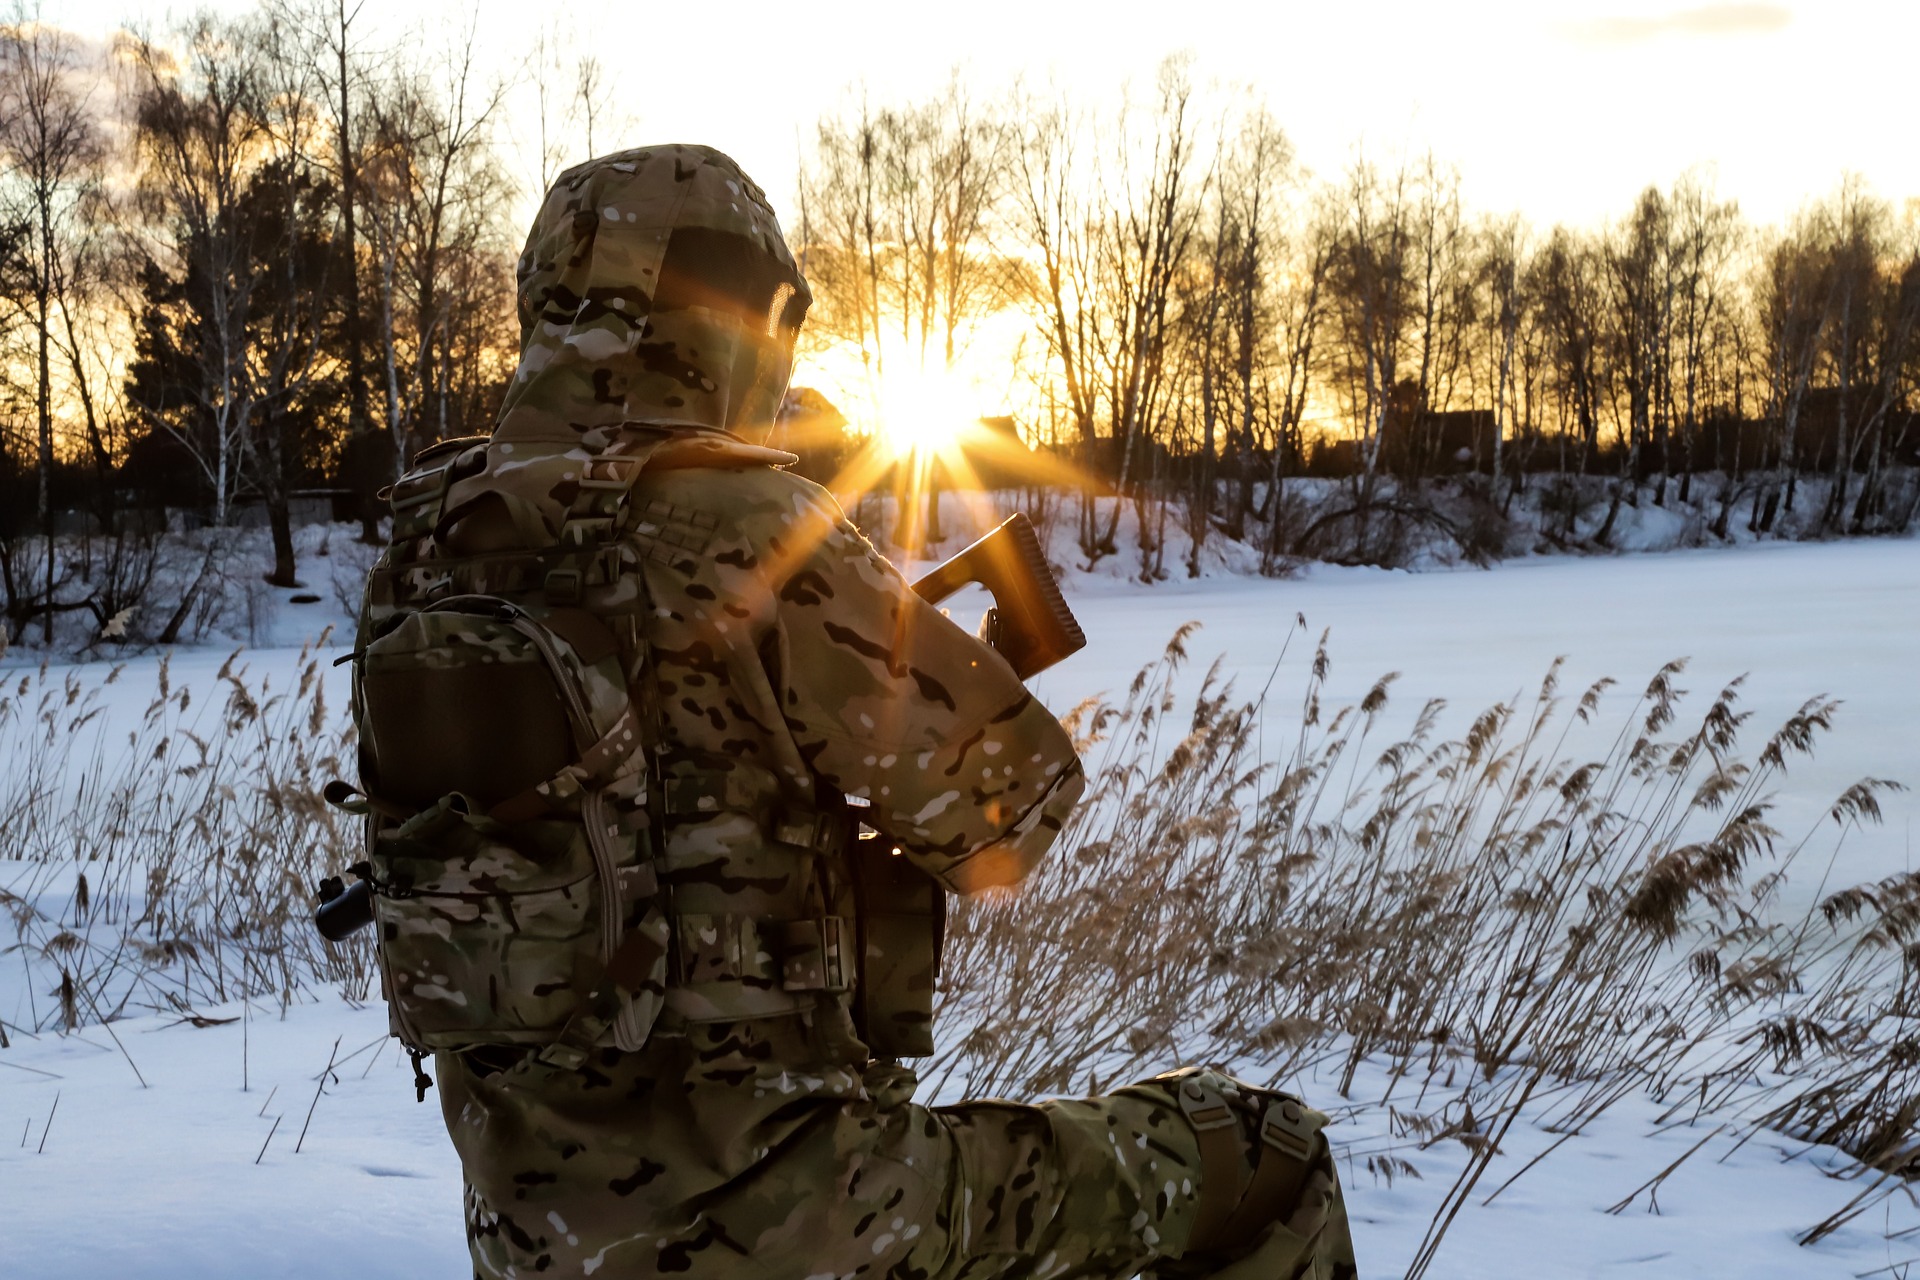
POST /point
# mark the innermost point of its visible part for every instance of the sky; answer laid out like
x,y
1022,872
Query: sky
x,y
1560,111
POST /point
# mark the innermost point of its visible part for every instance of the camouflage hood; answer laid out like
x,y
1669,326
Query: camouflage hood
x,y
655,287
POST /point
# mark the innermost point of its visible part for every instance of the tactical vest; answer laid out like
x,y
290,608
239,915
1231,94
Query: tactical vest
x,y
520,799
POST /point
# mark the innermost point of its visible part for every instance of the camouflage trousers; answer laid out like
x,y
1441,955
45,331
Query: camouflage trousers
x,y
704,1158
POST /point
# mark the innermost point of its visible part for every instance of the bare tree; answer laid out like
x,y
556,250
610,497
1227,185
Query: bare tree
x,y
1706,239
1054,203
200,126
899,216
1639,314
1251,307
327,27
1146,240
1569,285
1445,301
1873,312
239,240
1374,295
574,109
52,147
433,200
1504,314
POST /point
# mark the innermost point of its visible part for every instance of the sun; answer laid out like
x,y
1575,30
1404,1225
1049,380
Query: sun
x,y
925,412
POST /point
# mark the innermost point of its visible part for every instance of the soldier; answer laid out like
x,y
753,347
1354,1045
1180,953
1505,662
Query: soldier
x,y
711,1095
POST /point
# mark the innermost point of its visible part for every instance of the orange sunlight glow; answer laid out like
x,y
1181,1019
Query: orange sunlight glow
x,y
924,439
925,413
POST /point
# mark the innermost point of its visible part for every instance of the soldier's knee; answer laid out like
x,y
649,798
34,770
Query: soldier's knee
x,y
1270,1202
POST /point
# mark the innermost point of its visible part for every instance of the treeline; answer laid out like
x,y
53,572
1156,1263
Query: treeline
x,y
246,259
243,259
1208,320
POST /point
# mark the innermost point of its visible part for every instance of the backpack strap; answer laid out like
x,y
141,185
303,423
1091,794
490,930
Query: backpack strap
x,y
596,516
598,764
630,970
1234,1208
417,499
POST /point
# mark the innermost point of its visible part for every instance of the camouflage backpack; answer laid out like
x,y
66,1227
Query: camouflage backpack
x,y
504,751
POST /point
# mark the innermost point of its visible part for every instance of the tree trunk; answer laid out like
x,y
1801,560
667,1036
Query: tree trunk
x,y
367,477
44,398
277,491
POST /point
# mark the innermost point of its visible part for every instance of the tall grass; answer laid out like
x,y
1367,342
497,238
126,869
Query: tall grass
x,y
1577,899
164,858
1491,921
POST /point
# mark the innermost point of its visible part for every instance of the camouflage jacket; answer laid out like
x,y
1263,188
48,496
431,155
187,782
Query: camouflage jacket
x,y
788,667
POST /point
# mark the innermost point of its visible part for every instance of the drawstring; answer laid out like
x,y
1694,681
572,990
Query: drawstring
x,y
421,1080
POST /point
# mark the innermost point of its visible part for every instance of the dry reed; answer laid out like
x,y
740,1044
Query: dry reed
x,y
165,861
1488,922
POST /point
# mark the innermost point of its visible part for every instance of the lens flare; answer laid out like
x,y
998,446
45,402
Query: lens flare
x,y
925,413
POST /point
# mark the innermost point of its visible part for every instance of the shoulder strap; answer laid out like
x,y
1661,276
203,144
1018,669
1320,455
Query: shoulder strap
x,y
559,553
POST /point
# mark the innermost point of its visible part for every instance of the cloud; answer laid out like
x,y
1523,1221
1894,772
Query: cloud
x,y
1706,20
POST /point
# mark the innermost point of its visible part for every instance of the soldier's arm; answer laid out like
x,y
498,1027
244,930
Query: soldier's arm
x,y
892,703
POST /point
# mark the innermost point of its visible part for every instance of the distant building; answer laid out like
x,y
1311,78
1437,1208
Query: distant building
x,y
810,425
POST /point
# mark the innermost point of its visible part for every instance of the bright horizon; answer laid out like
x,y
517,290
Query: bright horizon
x,y
1560,112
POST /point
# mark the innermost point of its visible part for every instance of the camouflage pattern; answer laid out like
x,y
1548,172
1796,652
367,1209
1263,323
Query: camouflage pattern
x,y
488,928
502,904
654,286
781,666
692,1161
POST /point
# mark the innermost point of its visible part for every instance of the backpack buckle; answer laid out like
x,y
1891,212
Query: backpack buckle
x,y
610,471
1205,1108
815,829
562,587
797,831
815,954
1286,1130
567,1057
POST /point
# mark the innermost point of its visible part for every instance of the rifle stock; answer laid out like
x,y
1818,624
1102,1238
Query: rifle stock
x,y
1030,623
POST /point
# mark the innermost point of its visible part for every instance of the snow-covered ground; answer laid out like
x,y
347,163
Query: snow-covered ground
x,y
1841,619
187,1175
193,1176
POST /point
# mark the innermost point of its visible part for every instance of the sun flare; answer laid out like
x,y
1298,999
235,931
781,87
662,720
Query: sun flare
x,y
925,412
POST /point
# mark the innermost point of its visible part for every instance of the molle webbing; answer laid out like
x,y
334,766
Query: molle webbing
x,y
418,497
503,574
594,513
597,511
461,531
660,532
824,831
771,955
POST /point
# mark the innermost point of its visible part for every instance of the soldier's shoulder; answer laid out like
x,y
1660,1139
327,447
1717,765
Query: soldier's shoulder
x,y
739,482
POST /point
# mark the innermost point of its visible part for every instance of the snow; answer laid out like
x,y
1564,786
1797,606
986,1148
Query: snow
x,y
1841,619
169,1180
162,1182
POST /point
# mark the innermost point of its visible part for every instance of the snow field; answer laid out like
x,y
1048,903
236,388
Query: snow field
x,y
162,1181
